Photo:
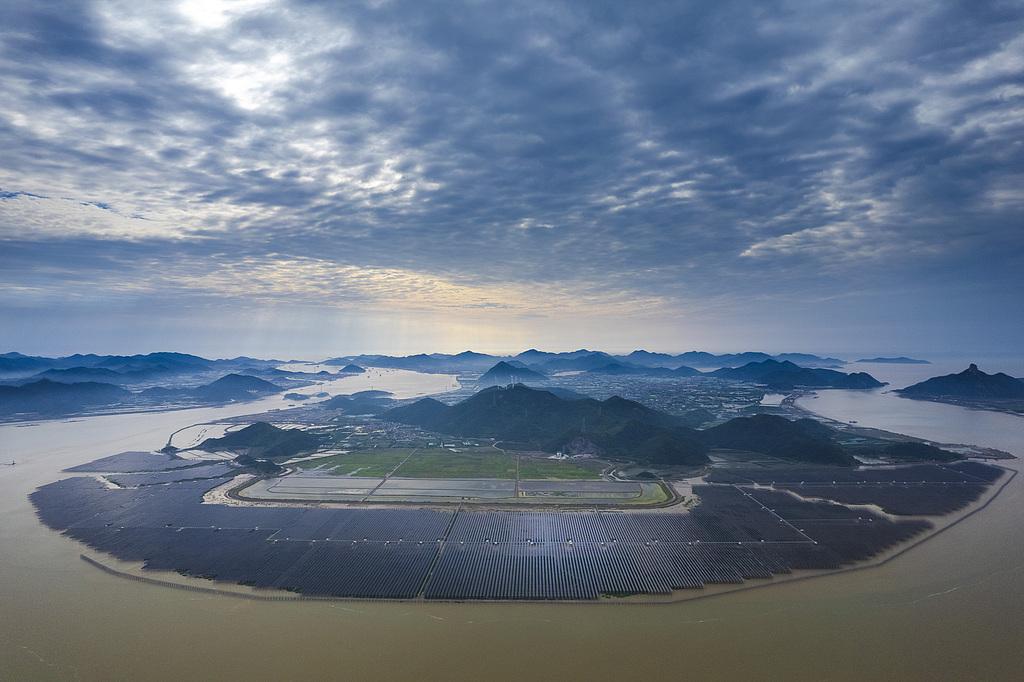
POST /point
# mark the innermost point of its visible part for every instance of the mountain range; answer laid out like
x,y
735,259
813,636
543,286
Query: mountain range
x,y
48,398
580,360
785,375
617,428
777,375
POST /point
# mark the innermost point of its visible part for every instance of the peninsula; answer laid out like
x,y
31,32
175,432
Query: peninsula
x,y
972,387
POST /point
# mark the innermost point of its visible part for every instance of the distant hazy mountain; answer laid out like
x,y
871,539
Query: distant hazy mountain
x,y
784,374
127,369
617,369
467,361
79,374
172,361
51,398
703,359
503,374
468,356
16,364
971,384
534,356
709,360
643,357
578,362
363,402
660,372
897,361
805,360
235,387
124,377
231,387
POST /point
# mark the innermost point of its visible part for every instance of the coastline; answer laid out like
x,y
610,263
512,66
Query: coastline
x,y
133,571
790,406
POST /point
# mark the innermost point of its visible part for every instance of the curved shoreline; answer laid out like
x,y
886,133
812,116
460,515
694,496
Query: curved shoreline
x,y
644,600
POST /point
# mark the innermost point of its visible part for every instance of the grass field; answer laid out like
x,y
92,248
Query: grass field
x,y
374,463
470,463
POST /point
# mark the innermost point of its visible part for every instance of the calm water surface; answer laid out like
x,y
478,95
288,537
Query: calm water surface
x,y
950,609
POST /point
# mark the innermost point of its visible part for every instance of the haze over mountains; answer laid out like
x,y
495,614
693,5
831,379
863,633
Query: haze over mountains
x,y
579,360
67,385
50,387
784,375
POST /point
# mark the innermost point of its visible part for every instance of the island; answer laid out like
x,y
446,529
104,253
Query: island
x,y
973,388
513,493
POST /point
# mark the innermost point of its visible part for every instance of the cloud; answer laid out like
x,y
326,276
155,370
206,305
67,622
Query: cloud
x,y
30,216
674,152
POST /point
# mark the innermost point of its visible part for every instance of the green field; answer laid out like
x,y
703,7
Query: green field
x,y
470,463
375,463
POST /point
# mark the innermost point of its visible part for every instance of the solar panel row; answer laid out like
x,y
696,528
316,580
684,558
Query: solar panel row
x,y
401,553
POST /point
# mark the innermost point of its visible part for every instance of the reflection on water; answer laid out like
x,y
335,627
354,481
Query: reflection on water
x,y
952,608
922,419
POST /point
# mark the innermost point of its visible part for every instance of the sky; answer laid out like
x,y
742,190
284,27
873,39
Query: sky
x,y
286,178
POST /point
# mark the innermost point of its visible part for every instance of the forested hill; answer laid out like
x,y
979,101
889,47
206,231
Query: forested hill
x,y
617,427
264,441
972,383
626,430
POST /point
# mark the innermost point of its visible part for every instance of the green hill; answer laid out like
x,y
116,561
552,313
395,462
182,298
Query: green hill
x,y
804,440
615,427
626,430
264,441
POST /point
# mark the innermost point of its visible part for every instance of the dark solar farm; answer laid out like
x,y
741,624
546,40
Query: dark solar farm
x,y
739,532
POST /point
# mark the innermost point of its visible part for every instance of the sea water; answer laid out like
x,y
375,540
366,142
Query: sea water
x,y
949,609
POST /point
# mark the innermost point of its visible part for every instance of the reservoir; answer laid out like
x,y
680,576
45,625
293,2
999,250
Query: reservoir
x,y
952,608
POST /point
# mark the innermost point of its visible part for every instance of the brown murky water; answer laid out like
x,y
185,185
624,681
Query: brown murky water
x,y
950,609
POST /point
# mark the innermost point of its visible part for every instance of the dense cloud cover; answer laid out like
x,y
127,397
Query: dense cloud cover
x,y
434,175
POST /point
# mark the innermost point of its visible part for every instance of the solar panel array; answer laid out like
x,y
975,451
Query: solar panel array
x,y
218,470
736,533
918,489
917,473
132,461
